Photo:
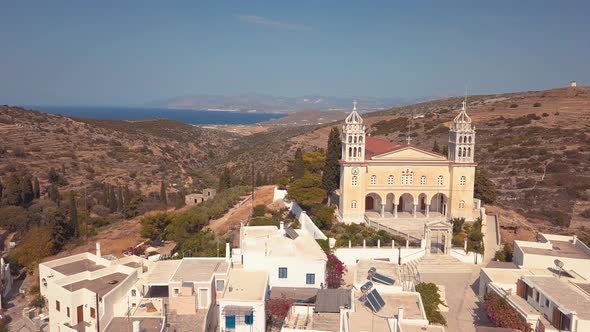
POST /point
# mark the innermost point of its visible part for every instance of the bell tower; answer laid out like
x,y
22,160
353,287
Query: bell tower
x,y
462,138
353,137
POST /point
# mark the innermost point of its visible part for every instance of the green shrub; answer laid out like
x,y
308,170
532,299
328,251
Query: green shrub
x,y
431,300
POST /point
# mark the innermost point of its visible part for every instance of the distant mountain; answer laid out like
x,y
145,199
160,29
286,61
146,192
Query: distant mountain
x,y
266,103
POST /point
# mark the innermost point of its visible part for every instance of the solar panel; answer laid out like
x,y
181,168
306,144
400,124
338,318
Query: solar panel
x,y
382,279
291,233
375,300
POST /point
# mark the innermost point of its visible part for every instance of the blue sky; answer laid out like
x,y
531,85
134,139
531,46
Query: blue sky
x,y
133,52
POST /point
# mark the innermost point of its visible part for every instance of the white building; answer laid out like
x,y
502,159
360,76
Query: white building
x,y
242,306
292,258
548,284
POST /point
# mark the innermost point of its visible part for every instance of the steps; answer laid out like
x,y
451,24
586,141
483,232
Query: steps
x,y
443,264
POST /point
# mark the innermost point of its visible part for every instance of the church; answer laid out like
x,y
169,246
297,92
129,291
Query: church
x,y
394,184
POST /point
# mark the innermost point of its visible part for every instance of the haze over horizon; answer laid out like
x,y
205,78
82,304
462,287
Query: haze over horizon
x,y
134,52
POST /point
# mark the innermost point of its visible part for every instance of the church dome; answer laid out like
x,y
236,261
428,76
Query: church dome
x,y
354,117
462,117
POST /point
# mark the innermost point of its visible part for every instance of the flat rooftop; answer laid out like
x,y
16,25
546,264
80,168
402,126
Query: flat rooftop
x,y
387,269
199,269
119,324
100,286
559,249
407,327
161,272
268,239
246,286
76,267
564,293
362,318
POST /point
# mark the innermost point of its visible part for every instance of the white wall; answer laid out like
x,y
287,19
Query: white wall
x,y
305,221
259,323
297,268
350,256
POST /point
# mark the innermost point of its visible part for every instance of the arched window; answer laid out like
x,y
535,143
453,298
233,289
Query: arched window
x,y
349,152
468,152
373,179
353,204
354,181
360,139
408,177
423,180
460,152
354,152
355,138
440,180
349,139
469,139
460,139
390,180
462,181
461,204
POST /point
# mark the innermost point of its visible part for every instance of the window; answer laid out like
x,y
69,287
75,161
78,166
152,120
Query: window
x,y
462,205
68,311
440,180
537,297
92,312
546,303
44,281
249,318
353,204
57,306
176,291
230,322
407,177
462,181
423,180
373,179
219,285
282,272
390,180
354,181
133,292
310,279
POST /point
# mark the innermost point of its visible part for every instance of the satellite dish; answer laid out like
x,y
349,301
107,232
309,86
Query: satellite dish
x,y
558,263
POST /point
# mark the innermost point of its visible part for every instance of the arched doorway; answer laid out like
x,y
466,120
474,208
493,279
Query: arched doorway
x,y
369,203
438,203
422,203
405,203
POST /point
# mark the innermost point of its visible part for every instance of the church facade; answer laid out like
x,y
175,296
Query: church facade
x,y
380,179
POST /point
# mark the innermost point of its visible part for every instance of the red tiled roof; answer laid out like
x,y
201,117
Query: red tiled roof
x,y
376,146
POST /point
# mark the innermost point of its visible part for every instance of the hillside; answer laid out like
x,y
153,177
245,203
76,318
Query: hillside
x,y
535,145
139,154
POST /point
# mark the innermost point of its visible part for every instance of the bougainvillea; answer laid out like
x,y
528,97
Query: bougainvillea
x,y
277,309
502,314
334,271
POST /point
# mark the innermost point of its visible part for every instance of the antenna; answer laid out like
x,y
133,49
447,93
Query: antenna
x,y
409,138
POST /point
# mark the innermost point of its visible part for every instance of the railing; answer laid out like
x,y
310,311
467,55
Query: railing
x,y
498,235
390,230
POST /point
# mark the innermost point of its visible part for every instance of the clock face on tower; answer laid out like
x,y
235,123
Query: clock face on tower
x,y
355,171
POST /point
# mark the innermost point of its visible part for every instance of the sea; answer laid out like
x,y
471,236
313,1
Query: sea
x,y
198,117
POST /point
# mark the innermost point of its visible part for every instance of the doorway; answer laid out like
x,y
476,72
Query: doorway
x,y
80,312
369,203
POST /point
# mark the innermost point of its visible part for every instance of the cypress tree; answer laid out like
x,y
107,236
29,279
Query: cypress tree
x,y
126,196
298,165
36,188
27,193
445,150
225,179
104,201
75,227
435,147
53,193
112,199
331,174
120,198
163,197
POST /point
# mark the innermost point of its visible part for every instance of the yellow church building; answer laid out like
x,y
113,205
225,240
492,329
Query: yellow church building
x,y
396,185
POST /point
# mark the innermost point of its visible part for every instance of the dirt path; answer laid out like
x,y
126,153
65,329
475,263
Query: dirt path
x,y
241,211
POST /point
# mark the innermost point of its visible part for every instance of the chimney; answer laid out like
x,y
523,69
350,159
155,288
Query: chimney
x,y
574,239
281,226
400,314
136,326
227,251
98,253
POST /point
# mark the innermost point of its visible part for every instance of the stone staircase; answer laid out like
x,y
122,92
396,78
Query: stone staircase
x,y
409,276
442,264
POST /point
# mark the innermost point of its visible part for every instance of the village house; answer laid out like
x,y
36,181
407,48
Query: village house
x,y
547,284
196,198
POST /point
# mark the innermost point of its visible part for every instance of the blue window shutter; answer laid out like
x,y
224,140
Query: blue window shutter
x,y
249,319
230,322
310,278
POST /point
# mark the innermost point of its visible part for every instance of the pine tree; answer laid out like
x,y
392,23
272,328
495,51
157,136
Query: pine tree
x,y
11,195
74,216
53,176
27,192
36,188
435,147
331,174
112,199
53,193
61,230
163,196
298,165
